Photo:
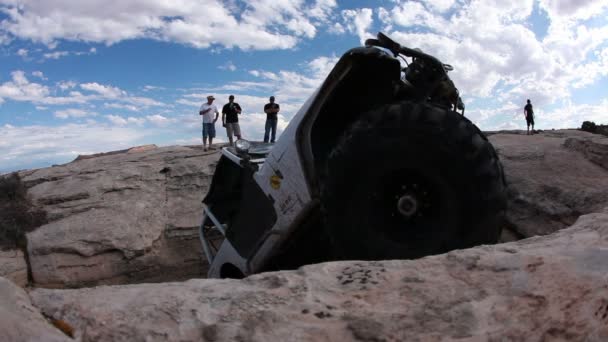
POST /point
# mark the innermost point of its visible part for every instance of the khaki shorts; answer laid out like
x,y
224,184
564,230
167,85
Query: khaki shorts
x,y
233,128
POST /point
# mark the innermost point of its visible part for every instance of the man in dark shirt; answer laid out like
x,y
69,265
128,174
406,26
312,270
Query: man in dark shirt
x,y
230,118
271,109
529,114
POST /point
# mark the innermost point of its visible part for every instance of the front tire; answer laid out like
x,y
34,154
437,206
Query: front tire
x,y
409,180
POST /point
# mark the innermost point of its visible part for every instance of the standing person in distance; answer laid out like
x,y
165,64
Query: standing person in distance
x,y
207,110
529,114
230,118
271,109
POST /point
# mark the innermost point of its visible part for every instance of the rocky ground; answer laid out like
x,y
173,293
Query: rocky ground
x,y
544,288
553,177
120,218
130,217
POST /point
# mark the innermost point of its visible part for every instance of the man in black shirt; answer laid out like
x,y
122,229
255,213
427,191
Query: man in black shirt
x,y
271,109
529,114
230,118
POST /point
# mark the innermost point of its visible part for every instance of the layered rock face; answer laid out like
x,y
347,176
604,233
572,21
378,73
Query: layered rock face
x,y
553,178
20,321
13,266
120,218
544,288
131,216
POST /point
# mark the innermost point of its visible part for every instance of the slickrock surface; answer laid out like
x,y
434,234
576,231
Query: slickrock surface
x,y
544,288
20,321
553,178
13,266
120,217
131,216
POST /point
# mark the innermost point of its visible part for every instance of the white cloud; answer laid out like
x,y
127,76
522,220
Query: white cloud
x,y
510,116
440,5
20,89
136,121
359,21
55,54
158,119
505,60
151,88
117,120
121,106
573,9
65,85
256,24
103,90
39,74
41,146
22,52
73,113
228,66
290,88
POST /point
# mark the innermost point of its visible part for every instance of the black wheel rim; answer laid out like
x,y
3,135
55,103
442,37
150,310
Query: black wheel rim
x,y
408,205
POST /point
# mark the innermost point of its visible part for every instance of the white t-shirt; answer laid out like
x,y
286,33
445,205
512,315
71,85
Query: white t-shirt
x,y
210,115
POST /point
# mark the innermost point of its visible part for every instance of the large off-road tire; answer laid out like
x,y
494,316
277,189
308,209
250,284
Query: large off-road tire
x,y
409,180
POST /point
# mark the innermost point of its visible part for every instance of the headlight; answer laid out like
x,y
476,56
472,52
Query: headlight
x,y
242,145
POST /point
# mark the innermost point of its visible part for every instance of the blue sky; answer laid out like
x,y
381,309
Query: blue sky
x,y
80,77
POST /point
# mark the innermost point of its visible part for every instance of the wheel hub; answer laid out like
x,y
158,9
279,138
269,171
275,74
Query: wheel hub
x,y
407,205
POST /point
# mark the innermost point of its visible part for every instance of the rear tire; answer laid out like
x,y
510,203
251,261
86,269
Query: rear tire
x,y
409,180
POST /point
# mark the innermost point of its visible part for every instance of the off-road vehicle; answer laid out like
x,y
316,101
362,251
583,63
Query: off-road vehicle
x,y
377,164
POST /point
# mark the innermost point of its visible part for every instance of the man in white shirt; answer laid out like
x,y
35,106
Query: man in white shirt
x,y
207,110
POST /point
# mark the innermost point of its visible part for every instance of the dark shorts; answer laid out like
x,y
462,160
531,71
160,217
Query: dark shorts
x,y
530,121
208,130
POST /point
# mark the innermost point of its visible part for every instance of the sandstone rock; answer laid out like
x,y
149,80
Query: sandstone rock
x,y
126,217
542,288
135,149
553,178
142,148
19,320
595,149
13,266
120,218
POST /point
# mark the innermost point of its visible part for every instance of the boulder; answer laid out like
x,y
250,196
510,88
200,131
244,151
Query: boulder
x,y
131,216
13,266
120,217
20,321
553,177
544,288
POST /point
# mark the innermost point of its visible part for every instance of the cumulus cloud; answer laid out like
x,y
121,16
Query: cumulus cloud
x,y
152,88
290,88
506,60
158,119
228,66
41,146
256,24
39,74
21,89
359,21
73,113
55,54
65,85
103,90
121,106
117,120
